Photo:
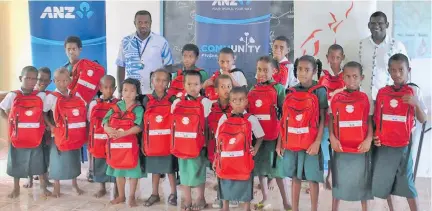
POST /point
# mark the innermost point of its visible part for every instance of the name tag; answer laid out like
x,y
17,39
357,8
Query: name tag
x,y
77,125
159,132
299,130
226,154
100,136
121,145
356,123
28,125
86,84
394,118
263,117
185,135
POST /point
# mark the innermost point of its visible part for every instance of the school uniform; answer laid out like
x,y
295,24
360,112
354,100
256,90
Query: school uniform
x,y
393,166
299,164
193,171
136,172
203,73
239,190
352,172
99,164
266,155
23,162
291,79
158,164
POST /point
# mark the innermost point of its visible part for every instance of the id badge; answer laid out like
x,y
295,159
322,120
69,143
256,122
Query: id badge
x,y
142,65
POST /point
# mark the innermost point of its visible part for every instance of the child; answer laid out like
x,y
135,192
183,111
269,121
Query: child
x,y
156,137
190,55
234,169
97,110
189,122
266,100
44,79
285,73
23,109
333,81
302,125
226,64
223,86
122,123
62,154
393,164
351,130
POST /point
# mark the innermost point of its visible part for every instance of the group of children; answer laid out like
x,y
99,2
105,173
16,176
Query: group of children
x,y
269,131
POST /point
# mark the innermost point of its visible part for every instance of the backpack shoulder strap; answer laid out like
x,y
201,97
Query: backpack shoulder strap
x,y
413,84
57,94
290,90
247,115
316,87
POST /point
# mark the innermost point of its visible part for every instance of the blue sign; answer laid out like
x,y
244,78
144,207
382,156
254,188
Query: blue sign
x,y
51,22
242,25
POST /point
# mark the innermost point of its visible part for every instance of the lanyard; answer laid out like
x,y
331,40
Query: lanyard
x,y
140,53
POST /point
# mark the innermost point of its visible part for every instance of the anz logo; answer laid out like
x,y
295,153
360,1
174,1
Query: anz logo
x,y
67,12
231,2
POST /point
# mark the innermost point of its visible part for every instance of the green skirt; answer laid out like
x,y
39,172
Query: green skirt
x,y
64,165
351,176
193,171
24,162
393,173
264,159
301,165
134,173
236,190
160,164
99,171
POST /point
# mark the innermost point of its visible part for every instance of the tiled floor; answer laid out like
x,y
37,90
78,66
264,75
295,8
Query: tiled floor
x,y
30,198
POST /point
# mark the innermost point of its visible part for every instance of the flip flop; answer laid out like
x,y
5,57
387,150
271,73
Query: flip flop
x,y
151,200
172,199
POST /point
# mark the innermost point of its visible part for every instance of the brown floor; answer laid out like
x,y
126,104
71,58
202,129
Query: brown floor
x,y
30,198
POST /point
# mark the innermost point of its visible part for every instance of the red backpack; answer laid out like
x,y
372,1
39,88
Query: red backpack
x,y
282,75
234,160
188,122
331,82
210,91
213,119
263,104
122,153
86,76
70,117
176,87
300,119
26,122
350,115
98,137
394,119
157,127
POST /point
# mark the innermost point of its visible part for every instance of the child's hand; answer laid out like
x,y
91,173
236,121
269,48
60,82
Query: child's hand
x,y
314,148
214,164
51,128
409,99
365,145
376,141
253,151
280,151
335,144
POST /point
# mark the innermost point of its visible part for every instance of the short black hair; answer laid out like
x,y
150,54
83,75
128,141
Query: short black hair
x,y
191,47
27,69
220,77
268,59
73,39
109,77
227,50
354,64
379,14
282,38
335,47
188,73
45,70
316,64
143,12
399,57
239,89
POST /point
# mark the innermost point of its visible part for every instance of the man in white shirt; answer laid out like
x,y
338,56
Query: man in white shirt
x,y
142,52
374,53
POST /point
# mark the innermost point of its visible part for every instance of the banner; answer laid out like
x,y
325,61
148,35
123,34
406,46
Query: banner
x,y
242,25
51,22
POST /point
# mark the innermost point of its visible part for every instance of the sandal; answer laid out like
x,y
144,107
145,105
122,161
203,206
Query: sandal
x,y
172,199
262,206
199,206
151,200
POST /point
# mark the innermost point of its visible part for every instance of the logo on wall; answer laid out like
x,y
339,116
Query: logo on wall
x,y
247,46
67,12
229,4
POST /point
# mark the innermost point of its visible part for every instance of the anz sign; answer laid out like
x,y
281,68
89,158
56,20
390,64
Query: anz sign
x,y
67,12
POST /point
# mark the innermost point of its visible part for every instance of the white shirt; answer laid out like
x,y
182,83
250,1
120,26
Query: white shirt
x,y
7,102
256,126
238,77
374,59
291,80
51,101
207,104
154,51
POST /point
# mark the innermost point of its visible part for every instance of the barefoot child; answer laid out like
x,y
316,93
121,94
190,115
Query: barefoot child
x,y
396,109
156,137
189,115
302,125
70,133
266,100
350,128
234,155
122,123
24,110
97,110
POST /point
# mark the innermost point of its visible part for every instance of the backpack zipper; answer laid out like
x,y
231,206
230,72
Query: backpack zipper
x,y
67,127
92,136
286,130
381,117
16,124
173,137
148,134
338,125
220,154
